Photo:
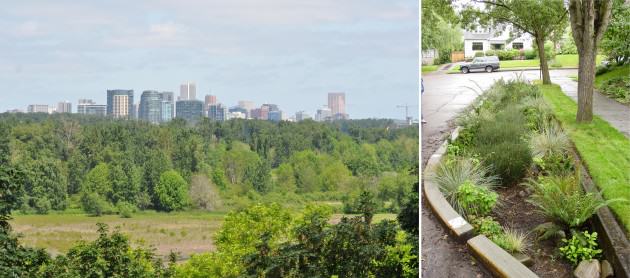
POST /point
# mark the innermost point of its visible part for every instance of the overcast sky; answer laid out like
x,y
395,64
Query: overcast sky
x,y
288,52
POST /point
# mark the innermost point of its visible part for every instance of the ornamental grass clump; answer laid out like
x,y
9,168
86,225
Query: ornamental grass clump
x,y
512,240
452,173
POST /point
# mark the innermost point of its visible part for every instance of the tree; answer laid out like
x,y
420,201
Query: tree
x,y
539,18
439,17
46,184
589,20
172,191
616,41
97,180
260,176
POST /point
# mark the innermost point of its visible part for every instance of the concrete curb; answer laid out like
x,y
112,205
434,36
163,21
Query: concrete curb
x,y
493,257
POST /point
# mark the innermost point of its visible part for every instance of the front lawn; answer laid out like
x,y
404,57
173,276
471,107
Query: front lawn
x,y
605,151
426,69
519,64
615,72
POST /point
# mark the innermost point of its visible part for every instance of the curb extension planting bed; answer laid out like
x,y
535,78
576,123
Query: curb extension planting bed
x,y
509,174
493,257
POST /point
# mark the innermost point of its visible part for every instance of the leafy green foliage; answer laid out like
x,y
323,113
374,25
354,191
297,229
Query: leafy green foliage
x,y
475,200
172,191
125,209
95,204
580,247
616,40
451,174
617,88
486,226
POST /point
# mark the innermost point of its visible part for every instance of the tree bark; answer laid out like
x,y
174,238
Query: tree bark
x,y
544,68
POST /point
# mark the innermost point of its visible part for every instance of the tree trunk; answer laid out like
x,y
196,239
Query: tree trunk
x,y
586,77
544,68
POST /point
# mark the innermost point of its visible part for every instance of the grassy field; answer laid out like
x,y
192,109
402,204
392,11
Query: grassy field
x,y
185,232
605,151
431,68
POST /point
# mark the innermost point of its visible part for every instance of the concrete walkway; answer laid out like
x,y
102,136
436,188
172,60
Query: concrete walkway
x,y
618,115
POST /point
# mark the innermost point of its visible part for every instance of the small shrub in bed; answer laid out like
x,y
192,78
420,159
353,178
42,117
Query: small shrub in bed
x,y
452,173
509,160
486,226
580,247
475,200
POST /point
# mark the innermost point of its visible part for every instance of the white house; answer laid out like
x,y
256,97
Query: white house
x,y
488,39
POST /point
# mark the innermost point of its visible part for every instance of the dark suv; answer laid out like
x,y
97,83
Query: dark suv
x,y
488,63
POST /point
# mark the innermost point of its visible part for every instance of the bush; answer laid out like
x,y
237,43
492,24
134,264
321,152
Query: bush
x,y
510,160
507,54
601,69
95,204
479,54
580,247
530,54
486,226
490,53
474,200
172,191
617,88
444,57
125,209
555,64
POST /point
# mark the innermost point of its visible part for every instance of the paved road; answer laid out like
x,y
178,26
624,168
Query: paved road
x,y
444,97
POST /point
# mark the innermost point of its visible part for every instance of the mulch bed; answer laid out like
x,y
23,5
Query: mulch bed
x,y
514,211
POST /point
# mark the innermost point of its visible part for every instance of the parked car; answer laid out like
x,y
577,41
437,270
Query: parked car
x,y
488,64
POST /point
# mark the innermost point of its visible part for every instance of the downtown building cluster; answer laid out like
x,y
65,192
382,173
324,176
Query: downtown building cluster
x,y
160,107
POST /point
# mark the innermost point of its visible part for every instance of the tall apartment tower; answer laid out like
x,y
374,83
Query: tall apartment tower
x,y
120,104
187,91
38,108
168,107
150,107
189,110
64,107
337,103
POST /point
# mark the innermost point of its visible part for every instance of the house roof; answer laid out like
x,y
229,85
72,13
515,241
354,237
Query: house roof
x,y
477,36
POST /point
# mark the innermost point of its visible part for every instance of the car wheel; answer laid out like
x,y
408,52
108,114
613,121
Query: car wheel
x,y
488,69
464,70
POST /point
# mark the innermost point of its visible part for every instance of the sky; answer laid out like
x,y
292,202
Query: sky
x,y
287,52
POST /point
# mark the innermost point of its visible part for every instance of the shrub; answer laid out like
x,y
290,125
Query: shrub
x,y
172,191
125,209
451,174
555,64
512,241
507,54
474,200
486,226
599,70
479,54
510,160
617,88
562,200
444,57
490,53
95,204
580,247
530,54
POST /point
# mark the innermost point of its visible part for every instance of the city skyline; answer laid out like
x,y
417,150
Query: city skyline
x,y
68,50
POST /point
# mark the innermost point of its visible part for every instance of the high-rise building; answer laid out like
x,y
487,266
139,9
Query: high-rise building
x,y
217,112
238,109
337,104
38,108
187,91
246,104
301,116
275,115
64,107
167,112
323,114
89,107
190,110
150,109
120,104
210,99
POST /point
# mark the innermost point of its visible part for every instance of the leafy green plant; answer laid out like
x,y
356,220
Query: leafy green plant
x,y
474,200
486,226
617,88
562,200
512,240
580,247
125,209
450,174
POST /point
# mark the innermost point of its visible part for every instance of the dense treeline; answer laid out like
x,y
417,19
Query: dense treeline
x,y
103,165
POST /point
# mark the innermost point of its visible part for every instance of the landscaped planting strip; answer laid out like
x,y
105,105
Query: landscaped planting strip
x,y
489,254
497,260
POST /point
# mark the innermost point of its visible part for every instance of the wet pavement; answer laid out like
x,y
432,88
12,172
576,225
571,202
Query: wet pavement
x,y
444,97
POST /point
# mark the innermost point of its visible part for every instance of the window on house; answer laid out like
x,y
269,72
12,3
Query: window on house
x,y
477,46
497,46
517,45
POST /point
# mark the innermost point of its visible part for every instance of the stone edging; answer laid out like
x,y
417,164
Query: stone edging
x,y
493,257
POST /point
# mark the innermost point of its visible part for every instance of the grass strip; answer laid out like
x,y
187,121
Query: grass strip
x,y
604,150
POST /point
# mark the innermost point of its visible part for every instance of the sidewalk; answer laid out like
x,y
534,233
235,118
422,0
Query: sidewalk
x,y
618,115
